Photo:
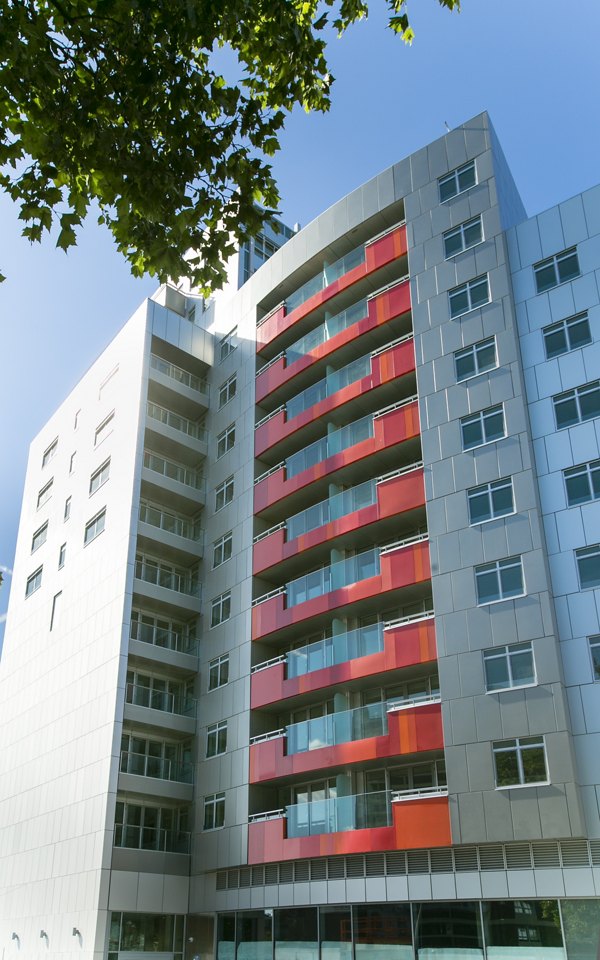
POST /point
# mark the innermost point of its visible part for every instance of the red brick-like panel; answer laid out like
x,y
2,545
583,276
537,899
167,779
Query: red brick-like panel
x,y
378,254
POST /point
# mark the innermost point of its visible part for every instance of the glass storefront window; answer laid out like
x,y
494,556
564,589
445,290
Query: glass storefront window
x,y
523,929
335,930
146,932
254,935
447,930
383,932
296,934
226,936
581,923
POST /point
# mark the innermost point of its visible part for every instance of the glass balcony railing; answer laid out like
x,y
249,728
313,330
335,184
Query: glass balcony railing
x,y
329,274
338,649
326,330
176,421
173,372
165,637
170,522
333,443
164,700
173,470
331,384
344,726
168,576
333,577
338,814
157,768
339,505
151,838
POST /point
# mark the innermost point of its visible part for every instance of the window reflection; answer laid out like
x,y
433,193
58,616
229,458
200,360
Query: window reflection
x,y
383,932
447,930
296,934
336,933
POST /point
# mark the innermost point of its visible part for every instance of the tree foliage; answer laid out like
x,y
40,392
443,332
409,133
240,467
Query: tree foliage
x,y
125,103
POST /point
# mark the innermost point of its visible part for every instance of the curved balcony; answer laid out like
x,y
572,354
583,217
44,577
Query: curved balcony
x,y
369,574
367,373
365,652
332,280
347,446
340,515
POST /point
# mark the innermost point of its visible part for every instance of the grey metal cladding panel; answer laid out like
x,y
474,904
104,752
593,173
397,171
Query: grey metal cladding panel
x,y
471,816
402,176
488,716
498,819
525,814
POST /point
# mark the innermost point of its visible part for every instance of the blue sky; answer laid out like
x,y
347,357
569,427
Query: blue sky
x,y
533,65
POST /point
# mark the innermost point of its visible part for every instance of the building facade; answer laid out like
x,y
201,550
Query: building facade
x,y
303,646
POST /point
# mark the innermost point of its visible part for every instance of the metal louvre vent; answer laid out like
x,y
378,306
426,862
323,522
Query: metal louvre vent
x,y
492,857
301,871
518,857
396,864
336,869
318,869
233,880
595,852
245,877
286,872
355,866
258,876
271,874
575,853
441,861
375,865
465,859
418,861
545,855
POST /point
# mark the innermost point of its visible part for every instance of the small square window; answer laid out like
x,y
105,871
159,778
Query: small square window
x,y
34,582
578,405
227,390
468,296
94,527
226,441
555,270
222,549
458,181
220,609
483,427
476,359
218,672
216,739
49,452
582,483
520,761
490,500
509,666
214,811
463,238
500,580
224,493
567,335
588,565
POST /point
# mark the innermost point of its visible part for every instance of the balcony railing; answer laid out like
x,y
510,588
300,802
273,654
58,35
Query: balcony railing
x,y
173,470
163,700
168,576
327,446
329,274
170,522
344,726
156,768
176,421
331,384
333,650
151,838
333,577
337,814
173,372
325,331
163,637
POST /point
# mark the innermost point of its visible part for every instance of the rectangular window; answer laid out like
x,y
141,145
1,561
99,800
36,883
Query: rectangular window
x,y
49,452
61,556
220,609
520,761
567,335
483,427
227,344
475,359
107,380
226,440
224,493
468,296
582,483
463,237
34,582
39,537
227,391
509,666
588,565
45,494
214,811
490,500
222,549
99,476
500,580
458,181
72,462
94,527
76,419
560,268
103,429
578,405
594,643
216,739
218,672
55,608
67,510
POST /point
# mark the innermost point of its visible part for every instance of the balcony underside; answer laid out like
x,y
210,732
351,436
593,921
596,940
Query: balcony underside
x,y
136,786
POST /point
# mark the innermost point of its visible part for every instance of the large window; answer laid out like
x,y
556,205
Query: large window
x,y
34,582
216,739
578,405
227,390
227,344
214,811
99,476
499,581
218,672
146,933
49,452
582,483
557,269
463,237
522,928
104,428
95,526
490,500
222,549
468,296
224,493
475,359
567,335
297,934
45,493
509,666
39,537
520,761
458,181
588,565
220,609
483,427
226,440
382,930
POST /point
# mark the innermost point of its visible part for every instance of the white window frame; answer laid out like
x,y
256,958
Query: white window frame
x,y
226,345
475,349
506,746
62,553
225,441
99,434
482,416
98,474
67,510
72,462
214,801
217,668
593,642
460,232
94,527
555,262
221,607
50,452
497,566
227,390
214,746
506,652
468,288
34,582
220,545
489,489
455,175
46,489
575,395
226,491
588,470
567,324
583,553
40,532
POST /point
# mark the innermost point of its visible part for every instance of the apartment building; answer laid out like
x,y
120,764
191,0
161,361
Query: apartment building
x,y
303,645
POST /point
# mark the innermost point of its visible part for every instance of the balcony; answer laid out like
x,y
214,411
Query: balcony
x,y
372,650
168,583
372,573
185,485
151,838
337,454
169,382
378,370
179,435
335,333
330,281
174,532
178,703
157,768
149,630
161,709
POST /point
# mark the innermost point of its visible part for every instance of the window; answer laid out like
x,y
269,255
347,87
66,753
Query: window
x,y
520,761
99,476
39,537
475,359
220,609
94,527
468,296
578,405
107,380
483,427
55,607
567,335
490,500
49,452
500,580
226,440
76,420
224,493
227,344
214,811
218,672
227,391
72,462
61,556
103,429
594,643
510,666
34,582
463,237
458,181
45,494
67,510
216,739
557,269
582,483
222,549
588,565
